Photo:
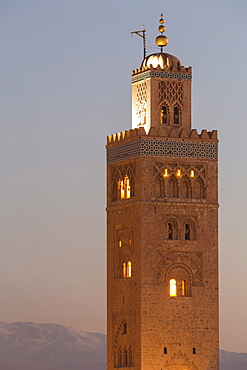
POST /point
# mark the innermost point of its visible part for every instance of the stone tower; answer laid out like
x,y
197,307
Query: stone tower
x,y
162,228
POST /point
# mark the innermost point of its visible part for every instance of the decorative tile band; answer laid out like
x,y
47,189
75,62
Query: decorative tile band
x,y
162,148
177,76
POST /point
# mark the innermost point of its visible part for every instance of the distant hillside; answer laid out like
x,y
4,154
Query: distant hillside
x,y
233,360
32,346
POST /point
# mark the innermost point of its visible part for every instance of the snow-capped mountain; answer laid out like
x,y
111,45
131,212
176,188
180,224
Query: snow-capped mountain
x,y
31,346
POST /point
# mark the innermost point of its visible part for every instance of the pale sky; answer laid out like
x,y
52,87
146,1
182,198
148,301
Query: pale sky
x,y
65,71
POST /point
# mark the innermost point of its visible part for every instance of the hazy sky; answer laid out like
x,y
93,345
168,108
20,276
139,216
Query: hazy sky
x,y
65,71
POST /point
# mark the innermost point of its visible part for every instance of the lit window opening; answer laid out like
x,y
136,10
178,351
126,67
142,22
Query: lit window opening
x,y
184,288
179,173
192,173
173,288
124,189
124,270
127,187
166,174
129,269
163,115
120,243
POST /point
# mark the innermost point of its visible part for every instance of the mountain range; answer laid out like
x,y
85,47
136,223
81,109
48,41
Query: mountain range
x,y
33,346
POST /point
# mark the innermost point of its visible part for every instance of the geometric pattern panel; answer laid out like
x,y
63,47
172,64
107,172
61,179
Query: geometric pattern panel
x,y
184,149
171,91
172,75
162,148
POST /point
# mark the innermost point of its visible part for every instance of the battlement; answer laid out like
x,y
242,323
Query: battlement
x,y
164,132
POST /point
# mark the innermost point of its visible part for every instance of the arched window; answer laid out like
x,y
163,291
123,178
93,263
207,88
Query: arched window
x,y
173,288
194,351
165,350
179,281
184,288
130,361
184,189
163,115
124,188
176,116
120,357
172,187
124,328
125,357
124,270
158,186
187,232
170,230
198,191
129,269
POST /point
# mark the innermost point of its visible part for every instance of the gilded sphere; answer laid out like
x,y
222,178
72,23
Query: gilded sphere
x,y
161,40
162,21
162,28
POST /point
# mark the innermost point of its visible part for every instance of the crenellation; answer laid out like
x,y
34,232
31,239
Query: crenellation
x,y
163,132
194,134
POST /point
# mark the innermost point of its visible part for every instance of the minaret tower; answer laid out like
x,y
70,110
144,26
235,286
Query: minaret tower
x,y
162,227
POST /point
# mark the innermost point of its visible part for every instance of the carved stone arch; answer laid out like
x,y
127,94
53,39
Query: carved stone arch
x,y
164,113
118,175
182,276
199,189
171,228
176,111
119,332
172,187
158,185
185,187
178,266
179,258
188,227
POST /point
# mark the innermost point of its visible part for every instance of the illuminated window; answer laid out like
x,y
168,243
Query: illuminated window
x,y
124,270
120,243
173,288
192,173
166,172
124,188
179,173
163,115
187,232
127,187
176,116
129,269
184,288
121,189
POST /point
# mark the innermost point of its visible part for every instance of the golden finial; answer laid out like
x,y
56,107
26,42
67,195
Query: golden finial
x,y
161,40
